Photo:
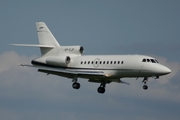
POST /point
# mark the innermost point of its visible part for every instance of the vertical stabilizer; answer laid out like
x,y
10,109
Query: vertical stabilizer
x,y
45,37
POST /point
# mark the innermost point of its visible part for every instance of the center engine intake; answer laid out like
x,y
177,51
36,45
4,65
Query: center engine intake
x,y
78,50
58,61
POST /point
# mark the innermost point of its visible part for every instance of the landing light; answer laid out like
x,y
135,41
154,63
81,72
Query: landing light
x,y
108,75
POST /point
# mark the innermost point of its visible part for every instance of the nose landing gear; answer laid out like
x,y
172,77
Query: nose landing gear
x,y
145,80
145,87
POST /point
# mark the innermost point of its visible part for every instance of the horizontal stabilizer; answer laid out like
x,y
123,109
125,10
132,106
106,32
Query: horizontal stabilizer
x,y
33,45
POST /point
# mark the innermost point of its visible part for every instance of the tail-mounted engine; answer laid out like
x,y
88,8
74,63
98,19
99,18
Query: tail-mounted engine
x,y
58,60
63,58
78,50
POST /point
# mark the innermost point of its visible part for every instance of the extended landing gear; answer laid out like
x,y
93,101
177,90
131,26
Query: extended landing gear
x,y
75,85
101,89
145,87
145,80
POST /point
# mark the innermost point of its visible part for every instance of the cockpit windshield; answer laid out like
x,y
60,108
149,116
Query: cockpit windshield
x,y
150,60
153,61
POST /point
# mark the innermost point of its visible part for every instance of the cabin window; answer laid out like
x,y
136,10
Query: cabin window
x,y
84,62
100,62
81,62
92,62
118,62
88,62
114,62
107,62
111,62
122,62
96,62
104,62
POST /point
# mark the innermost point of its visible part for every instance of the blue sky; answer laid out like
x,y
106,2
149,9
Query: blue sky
x,y
101,27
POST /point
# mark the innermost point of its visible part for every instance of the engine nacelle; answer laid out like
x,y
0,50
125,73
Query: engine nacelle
x,y
58,60
72,49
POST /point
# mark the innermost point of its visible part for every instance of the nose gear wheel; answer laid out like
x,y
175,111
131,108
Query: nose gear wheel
x,y
145,80
145,87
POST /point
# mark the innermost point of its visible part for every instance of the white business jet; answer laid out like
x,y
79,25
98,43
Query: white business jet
x,y
68,61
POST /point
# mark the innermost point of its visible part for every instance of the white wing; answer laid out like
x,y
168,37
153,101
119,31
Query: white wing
x,y
65,72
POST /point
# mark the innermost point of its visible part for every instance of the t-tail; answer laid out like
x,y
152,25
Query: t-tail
x,y
48,44
47,41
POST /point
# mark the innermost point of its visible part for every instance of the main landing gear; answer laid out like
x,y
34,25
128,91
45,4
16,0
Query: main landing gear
x,y
101,89
75,85
145,80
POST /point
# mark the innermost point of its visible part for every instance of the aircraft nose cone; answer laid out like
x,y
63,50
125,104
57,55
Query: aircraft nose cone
x,y
168,71
165,70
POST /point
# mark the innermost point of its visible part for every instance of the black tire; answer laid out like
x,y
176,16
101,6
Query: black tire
x,y
76,85
145,87
101,90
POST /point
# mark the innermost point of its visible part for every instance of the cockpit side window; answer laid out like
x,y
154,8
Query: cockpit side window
x,y
156,60
153,61
144,60
148,60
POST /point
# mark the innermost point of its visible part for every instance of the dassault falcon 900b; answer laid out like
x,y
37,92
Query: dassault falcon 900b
x,y
68,61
